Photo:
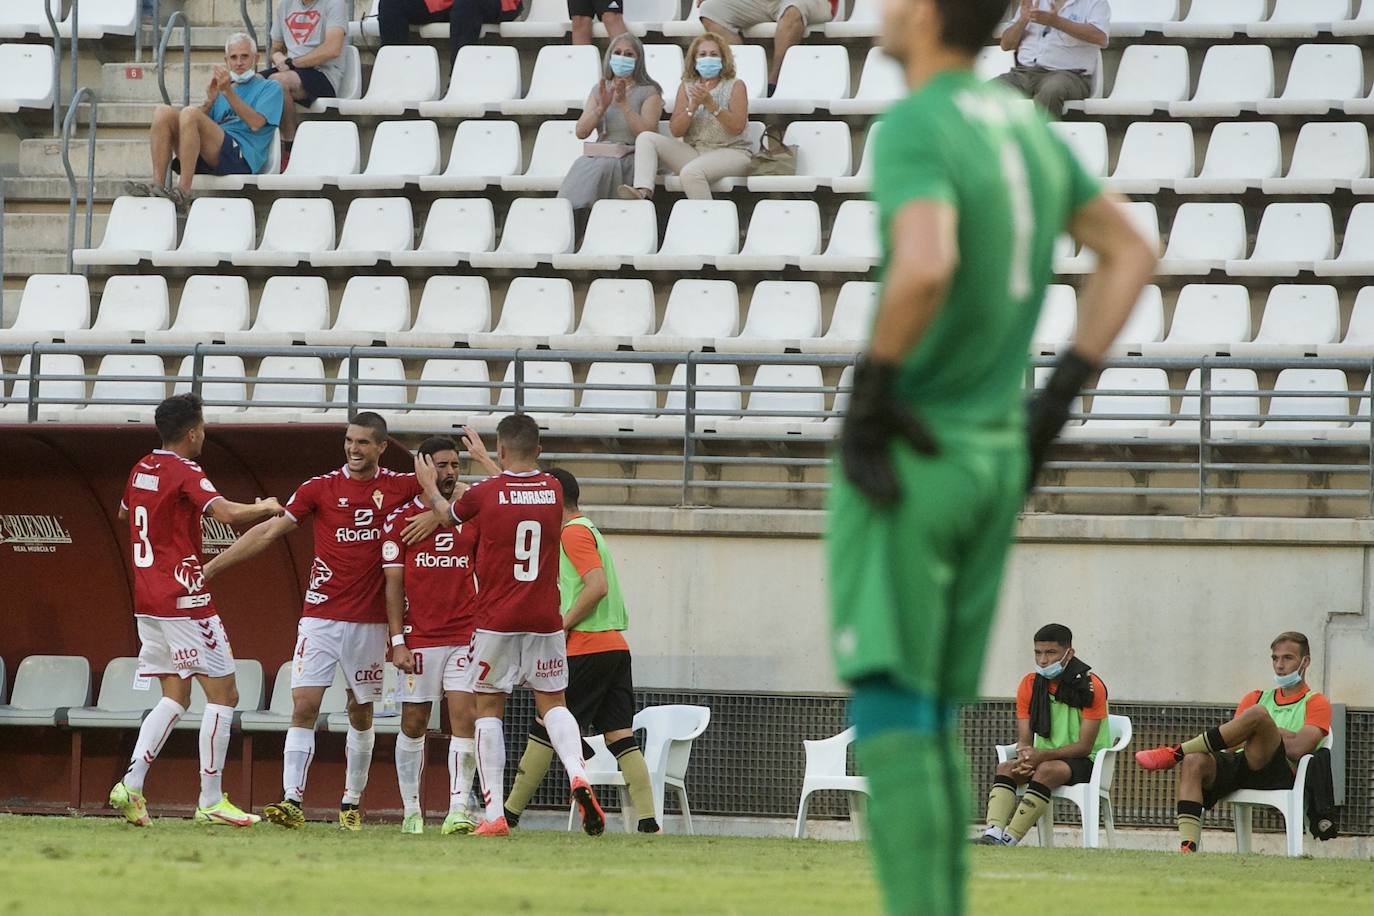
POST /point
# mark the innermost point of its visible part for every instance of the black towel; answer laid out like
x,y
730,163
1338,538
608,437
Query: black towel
x,y
1320,796
1075,689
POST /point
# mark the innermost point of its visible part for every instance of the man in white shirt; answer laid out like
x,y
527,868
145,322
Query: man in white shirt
x,y
1056,44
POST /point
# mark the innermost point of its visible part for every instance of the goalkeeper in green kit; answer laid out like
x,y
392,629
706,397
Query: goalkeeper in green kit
x,y
938,449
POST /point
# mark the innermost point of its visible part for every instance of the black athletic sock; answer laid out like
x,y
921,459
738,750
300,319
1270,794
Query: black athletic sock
x,y
512,819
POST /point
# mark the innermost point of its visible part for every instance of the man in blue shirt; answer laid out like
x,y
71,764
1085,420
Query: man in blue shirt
x,y
229,134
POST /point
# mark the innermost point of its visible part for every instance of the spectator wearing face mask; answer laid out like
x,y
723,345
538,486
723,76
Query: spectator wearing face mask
x,y
623,104
709,118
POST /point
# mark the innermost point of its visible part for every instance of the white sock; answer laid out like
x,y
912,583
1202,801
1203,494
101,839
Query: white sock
x,y
214,747
410,758
566,739
357,761
462,763
491,765
295,762
995,832
152,734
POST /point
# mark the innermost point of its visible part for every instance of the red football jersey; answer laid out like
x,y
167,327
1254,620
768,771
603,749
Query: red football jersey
x,y
440,579
346,576
517,550
166,495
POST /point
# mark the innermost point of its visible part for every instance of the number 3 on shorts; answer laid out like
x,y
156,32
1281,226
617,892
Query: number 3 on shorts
x,y
527,535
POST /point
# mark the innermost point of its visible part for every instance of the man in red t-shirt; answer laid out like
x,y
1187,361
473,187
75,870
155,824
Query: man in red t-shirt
x,y
179,630
343,623
519,631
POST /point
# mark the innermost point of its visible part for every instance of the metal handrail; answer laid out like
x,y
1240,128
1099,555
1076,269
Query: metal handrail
x,y
87,94
56,70
186,58
248,22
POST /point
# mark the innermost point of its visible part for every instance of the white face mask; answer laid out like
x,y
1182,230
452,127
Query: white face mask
x,y
241,78
1291,679
1053,669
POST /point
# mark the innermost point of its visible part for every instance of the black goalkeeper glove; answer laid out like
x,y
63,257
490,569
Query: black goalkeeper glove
x,y
874,418
1049,409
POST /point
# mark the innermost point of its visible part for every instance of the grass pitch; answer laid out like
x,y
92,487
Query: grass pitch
x,y
102,866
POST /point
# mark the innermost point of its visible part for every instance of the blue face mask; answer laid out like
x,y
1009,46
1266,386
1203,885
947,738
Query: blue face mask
x,y
1052,670
241,78
1288,680
709,67
622,65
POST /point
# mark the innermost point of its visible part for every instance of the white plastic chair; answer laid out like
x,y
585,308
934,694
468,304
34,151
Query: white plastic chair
x,y
992,62
1141,214
1289,802
369,309
697,314
210,307
1133,18
853,245
556,400
1233,79
823,154
248,682
780,412
1217,19
1244,402
1154,155
688,27
216,394
556,148
1326,156
1145,324
881,82
1357,248
1088,140
1204,237
1058,320
483,77
1240,155
1328,403
1321,78
545,19
850,322
137,227
1362,23
129,378
28,76
451,308
66,394
1290,238
1359,334
302,390
612,410
534,308
350,84
561,78
289,308
402,152
25,17
617,232
663,63
781,314
668,735
50,305
698,232
277,716
98,18
45,687
1208,319
130,306
456,229
602,770
812,78
536,229
614,312
1301,19
1149,78
1298,318
403,76
119,703
483,153
373,229
216,228
864,21
371,394
861,182
1133,413
323,152
297,228
454,386
827,769
781,233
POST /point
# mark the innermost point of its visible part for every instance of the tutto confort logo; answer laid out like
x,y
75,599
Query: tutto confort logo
x,y
33,533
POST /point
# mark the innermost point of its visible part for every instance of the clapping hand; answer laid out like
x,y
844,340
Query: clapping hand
x,y
1044,17
620,90
697,95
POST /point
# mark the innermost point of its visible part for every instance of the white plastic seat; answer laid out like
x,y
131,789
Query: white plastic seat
x,y
536,229
861,182
881,82
1290,802
668,735
1319,394
643,16
777,413
534,309
50,305
123,700
210,307
850,322
751,68
403,76
688,27
753,135
216,394
402,152
1322,77
28,76
369,309
277,716
25,17
853,245
45,687
483,77
98,18
451,308
612,410
614,312
1154,155
1204,237
1217,19
137,227
827,769
992,62
1362,23
1359,334
1328,155
130,307
1301,18
65,394
544,19
663,63
781,314
1088,140
1357,249
823,154
1240,155
456,229
323,152
298,389
216,228
697,314
1131,414
289,309
562,74
617,232
247,682
1149,78
1297,319
1134,18
811,78
1208,319
350,84
484,152
556,147
296,229
125,378
377,388
1290,238
1058,319
865,20
603,771
710,406
1145,324
449,392
553,396
781,233
698,232
373,229
1142,215
1239,410
1233,79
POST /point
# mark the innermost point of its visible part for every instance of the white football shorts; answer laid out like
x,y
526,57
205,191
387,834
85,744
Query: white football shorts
x,y
359,649
183,647
500,662
438,669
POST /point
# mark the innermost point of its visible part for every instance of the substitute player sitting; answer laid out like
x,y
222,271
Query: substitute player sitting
x,y
1061,708
518,639
1258,749
179,630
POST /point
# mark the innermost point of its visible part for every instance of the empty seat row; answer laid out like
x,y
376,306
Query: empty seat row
x,y
97,18
28,77
1230,18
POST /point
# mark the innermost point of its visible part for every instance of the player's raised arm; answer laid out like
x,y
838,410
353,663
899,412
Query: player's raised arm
x,y
253,542
477,450
232,513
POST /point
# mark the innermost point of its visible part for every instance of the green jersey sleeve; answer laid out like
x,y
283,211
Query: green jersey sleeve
x,y
908,163
1082,187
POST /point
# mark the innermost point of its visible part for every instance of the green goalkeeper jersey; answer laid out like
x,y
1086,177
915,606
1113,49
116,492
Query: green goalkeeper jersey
x,y
1014,185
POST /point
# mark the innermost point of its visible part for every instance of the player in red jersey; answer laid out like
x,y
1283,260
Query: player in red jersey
x,y
343,622
431,590
519,633
179,631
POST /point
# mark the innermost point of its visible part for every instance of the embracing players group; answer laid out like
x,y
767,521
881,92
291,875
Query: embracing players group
x,y
459,586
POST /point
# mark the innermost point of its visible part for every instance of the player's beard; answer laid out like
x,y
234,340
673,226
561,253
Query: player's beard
x,y
447,487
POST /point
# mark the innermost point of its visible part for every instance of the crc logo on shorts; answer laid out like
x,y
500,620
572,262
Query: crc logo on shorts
x,y
390,551
185,658
548,668
369,675
189,575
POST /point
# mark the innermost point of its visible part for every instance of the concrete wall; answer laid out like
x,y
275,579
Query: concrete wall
x,y
1169,610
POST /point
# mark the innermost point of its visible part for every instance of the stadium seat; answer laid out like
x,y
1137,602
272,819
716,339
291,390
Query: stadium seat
x,y
1208,319
614,312
697,314
130,306
484,76
64,393
781,233
811,78
1357,250
1088,140
373,229
1217,19
28,76
484,152
289,308
562,76
1297,319
823,154
451,308
50,305
536,229
688,27
853,245
1362,23
350,84
403,76
1290,238
698,231
45,687
751,68
98,18
664,66
135,378
324,152
216,228
1291,803
1129,415
288,385
617,232
1133,18
449,392
277,716
1241,409
376,388
1149,78
247,680
779,412
850,322
1142,215
668,735
881,82
612,410
1321,78
1204,237
1301,18
137,227
827,769
534,309
1328,155
217,395
1319,395
992,62
1359,334
861,182
25,17
1058,320
603,771
544,19
552,396
1153,156
1240,156
402,153
556,147
456,229
370,308
643,16
210,307
296,229
781,314
753,133
124,698
1145,324
1233,79
865,20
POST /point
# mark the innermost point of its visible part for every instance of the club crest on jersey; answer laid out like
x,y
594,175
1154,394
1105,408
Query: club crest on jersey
x,y
189,574
390,551
377,498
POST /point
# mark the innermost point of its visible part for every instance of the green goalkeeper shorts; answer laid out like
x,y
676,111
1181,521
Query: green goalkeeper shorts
x,y
913,587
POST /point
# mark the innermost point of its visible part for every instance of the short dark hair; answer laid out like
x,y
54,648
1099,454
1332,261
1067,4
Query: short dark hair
x,y
435,444
968,24
1056,633
519,433
1295,637
571,491
372,421
178,415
